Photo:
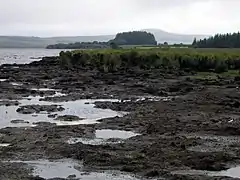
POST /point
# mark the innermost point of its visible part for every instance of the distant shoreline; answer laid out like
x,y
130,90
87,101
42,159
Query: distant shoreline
x,y
42,42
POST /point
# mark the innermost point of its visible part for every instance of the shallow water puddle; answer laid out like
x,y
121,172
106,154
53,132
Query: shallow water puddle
x,y
55,169
43,89
103,136
232,172
89,141
69,168
78,108
4,145
16,84
150,98
111,134
154,98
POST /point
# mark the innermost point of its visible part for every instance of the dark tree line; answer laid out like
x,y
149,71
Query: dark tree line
x,y
135,38
80,45
229,40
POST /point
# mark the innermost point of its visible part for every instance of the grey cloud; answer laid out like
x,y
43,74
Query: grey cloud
x,y
47,11
78,17
163,4
59,15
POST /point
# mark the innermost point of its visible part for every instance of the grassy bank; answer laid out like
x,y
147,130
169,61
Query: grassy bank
x,y
187,59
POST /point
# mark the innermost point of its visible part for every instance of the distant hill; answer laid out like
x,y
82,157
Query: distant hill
x,y
163,36
38,42
22,42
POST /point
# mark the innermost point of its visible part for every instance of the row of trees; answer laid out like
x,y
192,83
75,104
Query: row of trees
x,y
219,41
80,45
111,60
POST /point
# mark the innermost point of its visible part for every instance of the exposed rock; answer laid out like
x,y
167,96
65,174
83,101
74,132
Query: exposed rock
x,y
30,109
18,121
72,176
9,103
25,111
44,124
68,118
52,115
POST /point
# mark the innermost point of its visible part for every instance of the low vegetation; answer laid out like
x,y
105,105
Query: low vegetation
x,y
167,59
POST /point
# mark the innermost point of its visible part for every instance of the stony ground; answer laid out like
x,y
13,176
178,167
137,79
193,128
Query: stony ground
x,y
197,128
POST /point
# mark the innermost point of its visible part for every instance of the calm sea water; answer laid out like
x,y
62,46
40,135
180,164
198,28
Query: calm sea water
x,y
23,56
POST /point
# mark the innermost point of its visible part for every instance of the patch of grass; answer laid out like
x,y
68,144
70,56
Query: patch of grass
x,y
214,76
205,76
147,47
231,73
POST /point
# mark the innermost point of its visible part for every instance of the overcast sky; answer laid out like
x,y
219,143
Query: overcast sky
x,y
94,17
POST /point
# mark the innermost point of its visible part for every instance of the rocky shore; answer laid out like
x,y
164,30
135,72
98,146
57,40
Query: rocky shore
x,y
181,122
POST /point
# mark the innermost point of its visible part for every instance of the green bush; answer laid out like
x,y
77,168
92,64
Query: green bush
x,y
221,67
66,59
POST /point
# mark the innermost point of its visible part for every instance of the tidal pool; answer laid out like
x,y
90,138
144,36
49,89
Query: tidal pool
x,y
78,108
4,145
105,136
232,172
67,168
